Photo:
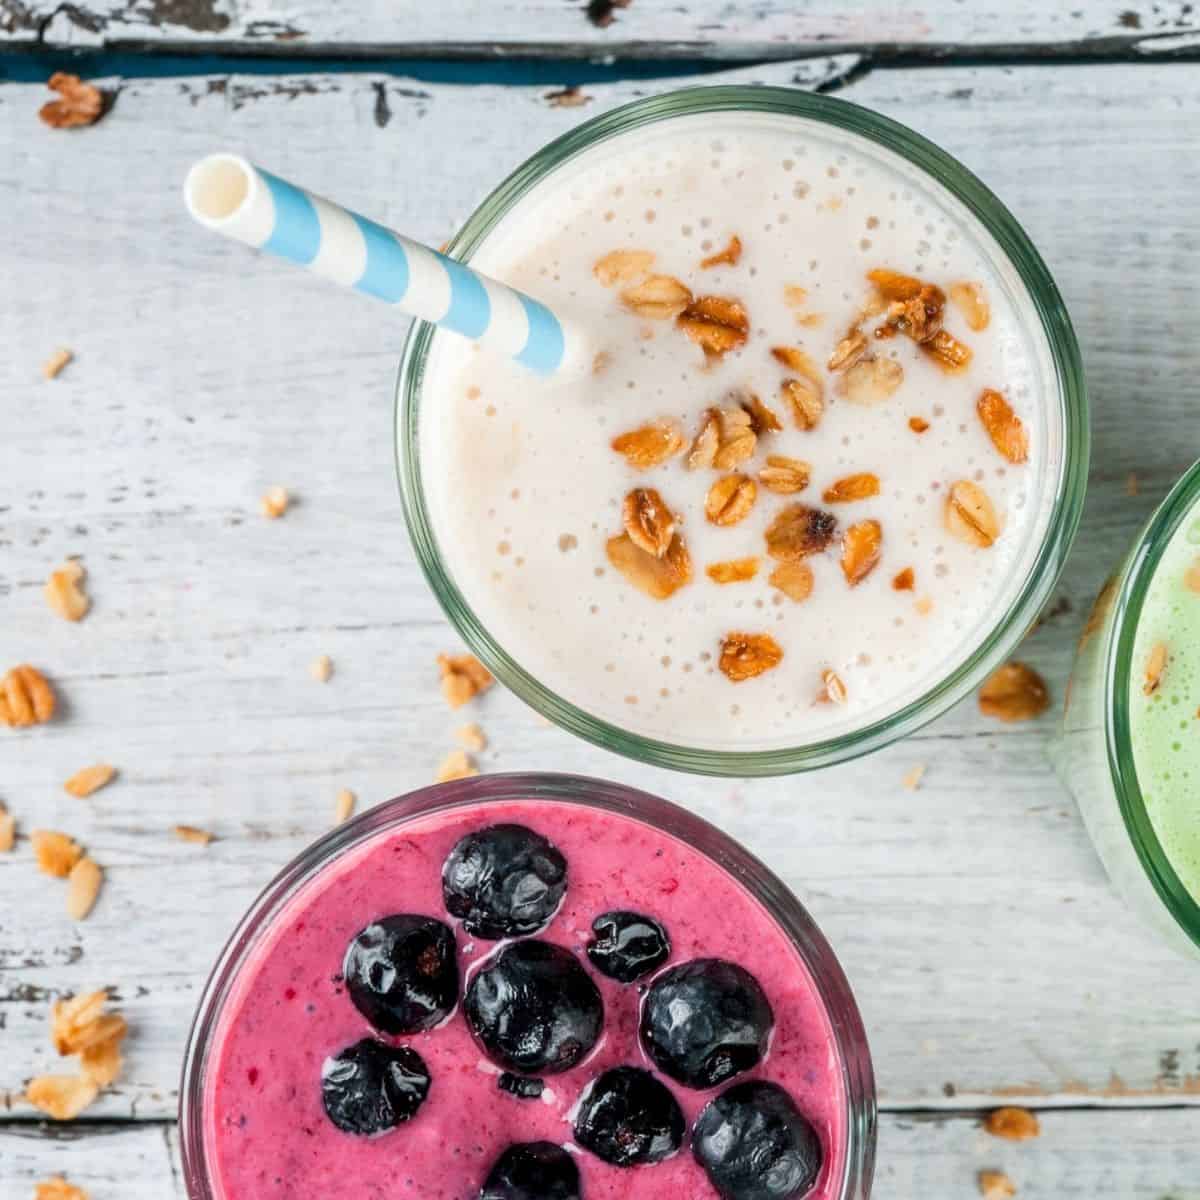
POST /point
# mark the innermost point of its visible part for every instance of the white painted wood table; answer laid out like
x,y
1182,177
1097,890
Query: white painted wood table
x,y
989,957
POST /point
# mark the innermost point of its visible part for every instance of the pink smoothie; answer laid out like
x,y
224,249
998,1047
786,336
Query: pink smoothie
x,y
267,1134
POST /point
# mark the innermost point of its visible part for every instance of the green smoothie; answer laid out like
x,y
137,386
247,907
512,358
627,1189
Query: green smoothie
x,y
1164,702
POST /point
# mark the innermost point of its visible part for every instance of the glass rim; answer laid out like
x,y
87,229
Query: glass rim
x,y
1127,610
764,886
1069,486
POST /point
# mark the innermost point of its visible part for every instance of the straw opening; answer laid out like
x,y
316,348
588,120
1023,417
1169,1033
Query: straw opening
x,y
217,187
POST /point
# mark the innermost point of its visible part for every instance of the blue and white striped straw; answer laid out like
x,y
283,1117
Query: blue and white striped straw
x,y
231,196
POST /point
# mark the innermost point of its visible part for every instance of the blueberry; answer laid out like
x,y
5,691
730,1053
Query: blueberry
x,y
370,1087
627,1117
504,881
704,1021
755,1144
534,1009
627,945
519,1086
532,1171
402,973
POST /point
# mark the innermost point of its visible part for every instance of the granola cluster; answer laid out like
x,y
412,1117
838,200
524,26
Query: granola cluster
x,y
733,432
80,1028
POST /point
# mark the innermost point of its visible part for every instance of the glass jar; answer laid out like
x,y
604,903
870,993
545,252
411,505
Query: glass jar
x,y
781,906
1022,273
1094,754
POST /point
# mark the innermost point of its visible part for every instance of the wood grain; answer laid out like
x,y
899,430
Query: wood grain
x,y
764,30
988,954
1080,1155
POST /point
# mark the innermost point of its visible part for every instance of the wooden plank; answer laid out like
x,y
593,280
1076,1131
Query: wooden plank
x,y
768,29
1136,1155
986,949
134,1162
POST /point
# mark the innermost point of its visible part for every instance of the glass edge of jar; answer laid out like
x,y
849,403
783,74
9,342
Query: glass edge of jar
x,y
764,886
1139,571
1070,485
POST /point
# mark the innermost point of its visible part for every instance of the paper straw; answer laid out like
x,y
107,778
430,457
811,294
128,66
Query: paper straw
x,y
231,196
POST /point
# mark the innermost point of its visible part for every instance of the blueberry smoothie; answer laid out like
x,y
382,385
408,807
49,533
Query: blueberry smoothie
x,y
525,1000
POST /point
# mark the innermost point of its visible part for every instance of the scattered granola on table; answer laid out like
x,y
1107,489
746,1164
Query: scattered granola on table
x,y
83,888
1013,1124
912,778
8,830
321,668
1014,692
995,1185
78,103
80,1027
192,833
456,765
90,779
345,806
56,853
26,697
274,502
471,737
463,678
57,1188
64,591
54,366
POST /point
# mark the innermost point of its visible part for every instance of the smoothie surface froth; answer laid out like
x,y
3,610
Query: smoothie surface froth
x,y
525,490
1165,723
266,1133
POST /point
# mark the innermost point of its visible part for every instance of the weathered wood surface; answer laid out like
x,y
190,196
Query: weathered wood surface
x,y
1146,1155
989,957
649,28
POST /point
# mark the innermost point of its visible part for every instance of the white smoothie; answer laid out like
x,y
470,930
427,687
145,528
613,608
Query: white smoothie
x,y
527,494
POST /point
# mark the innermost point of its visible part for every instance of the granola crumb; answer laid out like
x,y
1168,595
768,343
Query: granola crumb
x,y
1156,663
8,830
905,580
1132,484
80,1027
995,1185
321,668
463,677
83,888
913,776
568,97
61,1097
1014,1124
53,367
471,737
456,765
717,324
56,853
622,266
57,1188
1014,692
91,779
26,697
78,103
729,256
344,807
190,833
745,655
65,594
918,424
835,689
972,302
275,502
